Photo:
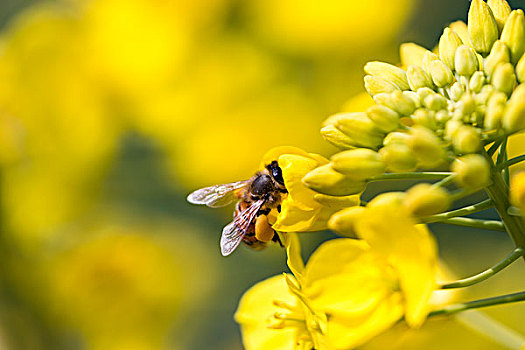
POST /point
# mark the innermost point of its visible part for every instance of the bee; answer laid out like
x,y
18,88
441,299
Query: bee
x,y
256,198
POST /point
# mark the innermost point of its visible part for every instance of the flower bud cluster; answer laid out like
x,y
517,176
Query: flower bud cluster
x,y
440,110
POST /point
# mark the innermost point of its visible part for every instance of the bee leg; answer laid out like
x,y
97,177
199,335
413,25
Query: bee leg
x,y
279,208
277,239
263,231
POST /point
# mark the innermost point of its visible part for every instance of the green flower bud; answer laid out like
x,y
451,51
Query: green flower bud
x,y
435,102
442,116
500,10
387,199
376,85
466,61
472,171
451,128
466,139
520,69
343,222
440,73
327,181
426,146
467,105
425,118
337,138
499,54
359,164
388,72
428,58
448,44
384,99
398,157
495,109
337,202
401,103
483,96
414,97
383,117
513,35
477,81
360,129
418,78
424,92
504,78
456,90
424,199
396,137
514,114
482,26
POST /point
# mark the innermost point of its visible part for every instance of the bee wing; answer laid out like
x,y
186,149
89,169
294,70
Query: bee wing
x,y
216,196
233,233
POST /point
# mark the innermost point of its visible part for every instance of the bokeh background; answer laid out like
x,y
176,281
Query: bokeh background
x,y
112,111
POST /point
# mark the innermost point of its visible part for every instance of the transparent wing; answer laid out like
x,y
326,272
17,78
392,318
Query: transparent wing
x,y
233,233
216,196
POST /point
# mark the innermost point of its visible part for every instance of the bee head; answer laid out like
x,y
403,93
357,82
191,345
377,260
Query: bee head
x,y
275,172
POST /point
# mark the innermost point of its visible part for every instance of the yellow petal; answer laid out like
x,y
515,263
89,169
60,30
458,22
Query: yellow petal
x,y
344,279
293,254
255,307
293,218
410,249
276,152
294,168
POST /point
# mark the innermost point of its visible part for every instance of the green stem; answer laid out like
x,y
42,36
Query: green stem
x,y
494,147
493,225
498,191
476,304
459,212
515,255
511,162
411,176
445,181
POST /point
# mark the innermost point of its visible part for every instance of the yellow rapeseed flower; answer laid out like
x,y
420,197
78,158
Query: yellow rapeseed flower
x,y
349,291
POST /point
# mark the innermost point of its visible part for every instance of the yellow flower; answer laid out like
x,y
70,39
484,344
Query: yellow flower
x,y
302,209
349,291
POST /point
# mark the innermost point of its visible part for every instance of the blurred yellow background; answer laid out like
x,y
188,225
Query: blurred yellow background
x,y
111,111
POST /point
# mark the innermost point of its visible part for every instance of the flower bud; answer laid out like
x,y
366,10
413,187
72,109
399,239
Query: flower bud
x,y
327,181
448,44
499,54
435,102
425,118
337,202
388,72
456,90
398,157
412,54
401,103
466,61
442,116
426,146
424,199
414,97
520,69
504,78
440,73
467,105
383,117
336,137
461,29
359,164
495,109
500,10
482,26
343,221
389,199
514,114
476,82
396,137
451,128
418,78
517,191
360,129
375,85
513,35
466,139
472,171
